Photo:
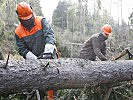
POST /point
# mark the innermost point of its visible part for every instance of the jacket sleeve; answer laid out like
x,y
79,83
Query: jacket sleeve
x,y
48,32
21,46
96,48
104,50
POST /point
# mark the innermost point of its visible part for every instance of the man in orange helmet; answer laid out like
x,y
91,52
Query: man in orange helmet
x,y
96,46
34,35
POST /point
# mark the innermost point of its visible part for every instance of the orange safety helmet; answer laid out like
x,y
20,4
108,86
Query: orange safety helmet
x,y
24,11
107,29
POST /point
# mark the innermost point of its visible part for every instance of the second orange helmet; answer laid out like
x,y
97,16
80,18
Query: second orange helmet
x,y
107,29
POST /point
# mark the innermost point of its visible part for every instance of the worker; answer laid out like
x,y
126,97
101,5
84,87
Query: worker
x,y
34,35
96,46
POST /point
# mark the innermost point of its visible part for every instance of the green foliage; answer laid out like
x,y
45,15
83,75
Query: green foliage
x,y
60,15
131,20
36,7
122,92
62,49
1,55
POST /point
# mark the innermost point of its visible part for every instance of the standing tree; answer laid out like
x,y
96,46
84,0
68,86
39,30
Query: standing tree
x,y
59,17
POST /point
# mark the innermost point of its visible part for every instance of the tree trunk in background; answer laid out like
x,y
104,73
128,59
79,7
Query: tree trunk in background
x,y
1,55
80,6
61,74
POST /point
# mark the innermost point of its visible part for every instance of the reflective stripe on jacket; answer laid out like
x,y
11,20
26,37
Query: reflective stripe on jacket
x,y
95,46
35,39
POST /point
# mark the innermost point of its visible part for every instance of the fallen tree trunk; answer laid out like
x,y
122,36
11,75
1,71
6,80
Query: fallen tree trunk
x,y
19,76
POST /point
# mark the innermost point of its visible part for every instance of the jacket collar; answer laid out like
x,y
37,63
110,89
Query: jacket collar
x,y
102,37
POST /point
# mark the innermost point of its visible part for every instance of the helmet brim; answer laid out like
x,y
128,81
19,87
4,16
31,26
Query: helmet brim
x,y
108,33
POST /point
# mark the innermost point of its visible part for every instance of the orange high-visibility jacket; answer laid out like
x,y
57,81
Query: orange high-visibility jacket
x,y
35,39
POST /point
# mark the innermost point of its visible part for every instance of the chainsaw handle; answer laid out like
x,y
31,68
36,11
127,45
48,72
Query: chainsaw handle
x,y
45,56
121,55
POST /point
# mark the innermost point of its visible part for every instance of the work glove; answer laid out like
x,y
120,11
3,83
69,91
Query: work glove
x,y
49,48
30,56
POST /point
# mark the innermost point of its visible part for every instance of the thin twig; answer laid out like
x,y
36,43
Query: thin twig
x,y
74,97
7,61
122,94
38,95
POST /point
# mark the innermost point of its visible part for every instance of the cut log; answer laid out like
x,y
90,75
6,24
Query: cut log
x,y
21,76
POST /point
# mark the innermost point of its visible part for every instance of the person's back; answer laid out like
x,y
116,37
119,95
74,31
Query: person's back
x,y
92,46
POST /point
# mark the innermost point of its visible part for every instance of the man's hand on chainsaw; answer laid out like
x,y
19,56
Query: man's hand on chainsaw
x,y
48,52
45,56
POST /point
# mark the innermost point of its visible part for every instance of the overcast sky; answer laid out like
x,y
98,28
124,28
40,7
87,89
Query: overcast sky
x,y
48,7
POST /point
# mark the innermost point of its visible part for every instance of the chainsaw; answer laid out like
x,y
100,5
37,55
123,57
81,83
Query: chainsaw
x,y
126,51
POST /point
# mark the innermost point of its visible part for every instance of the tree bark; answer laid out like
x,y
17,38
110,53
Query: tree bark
x,y
23,75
